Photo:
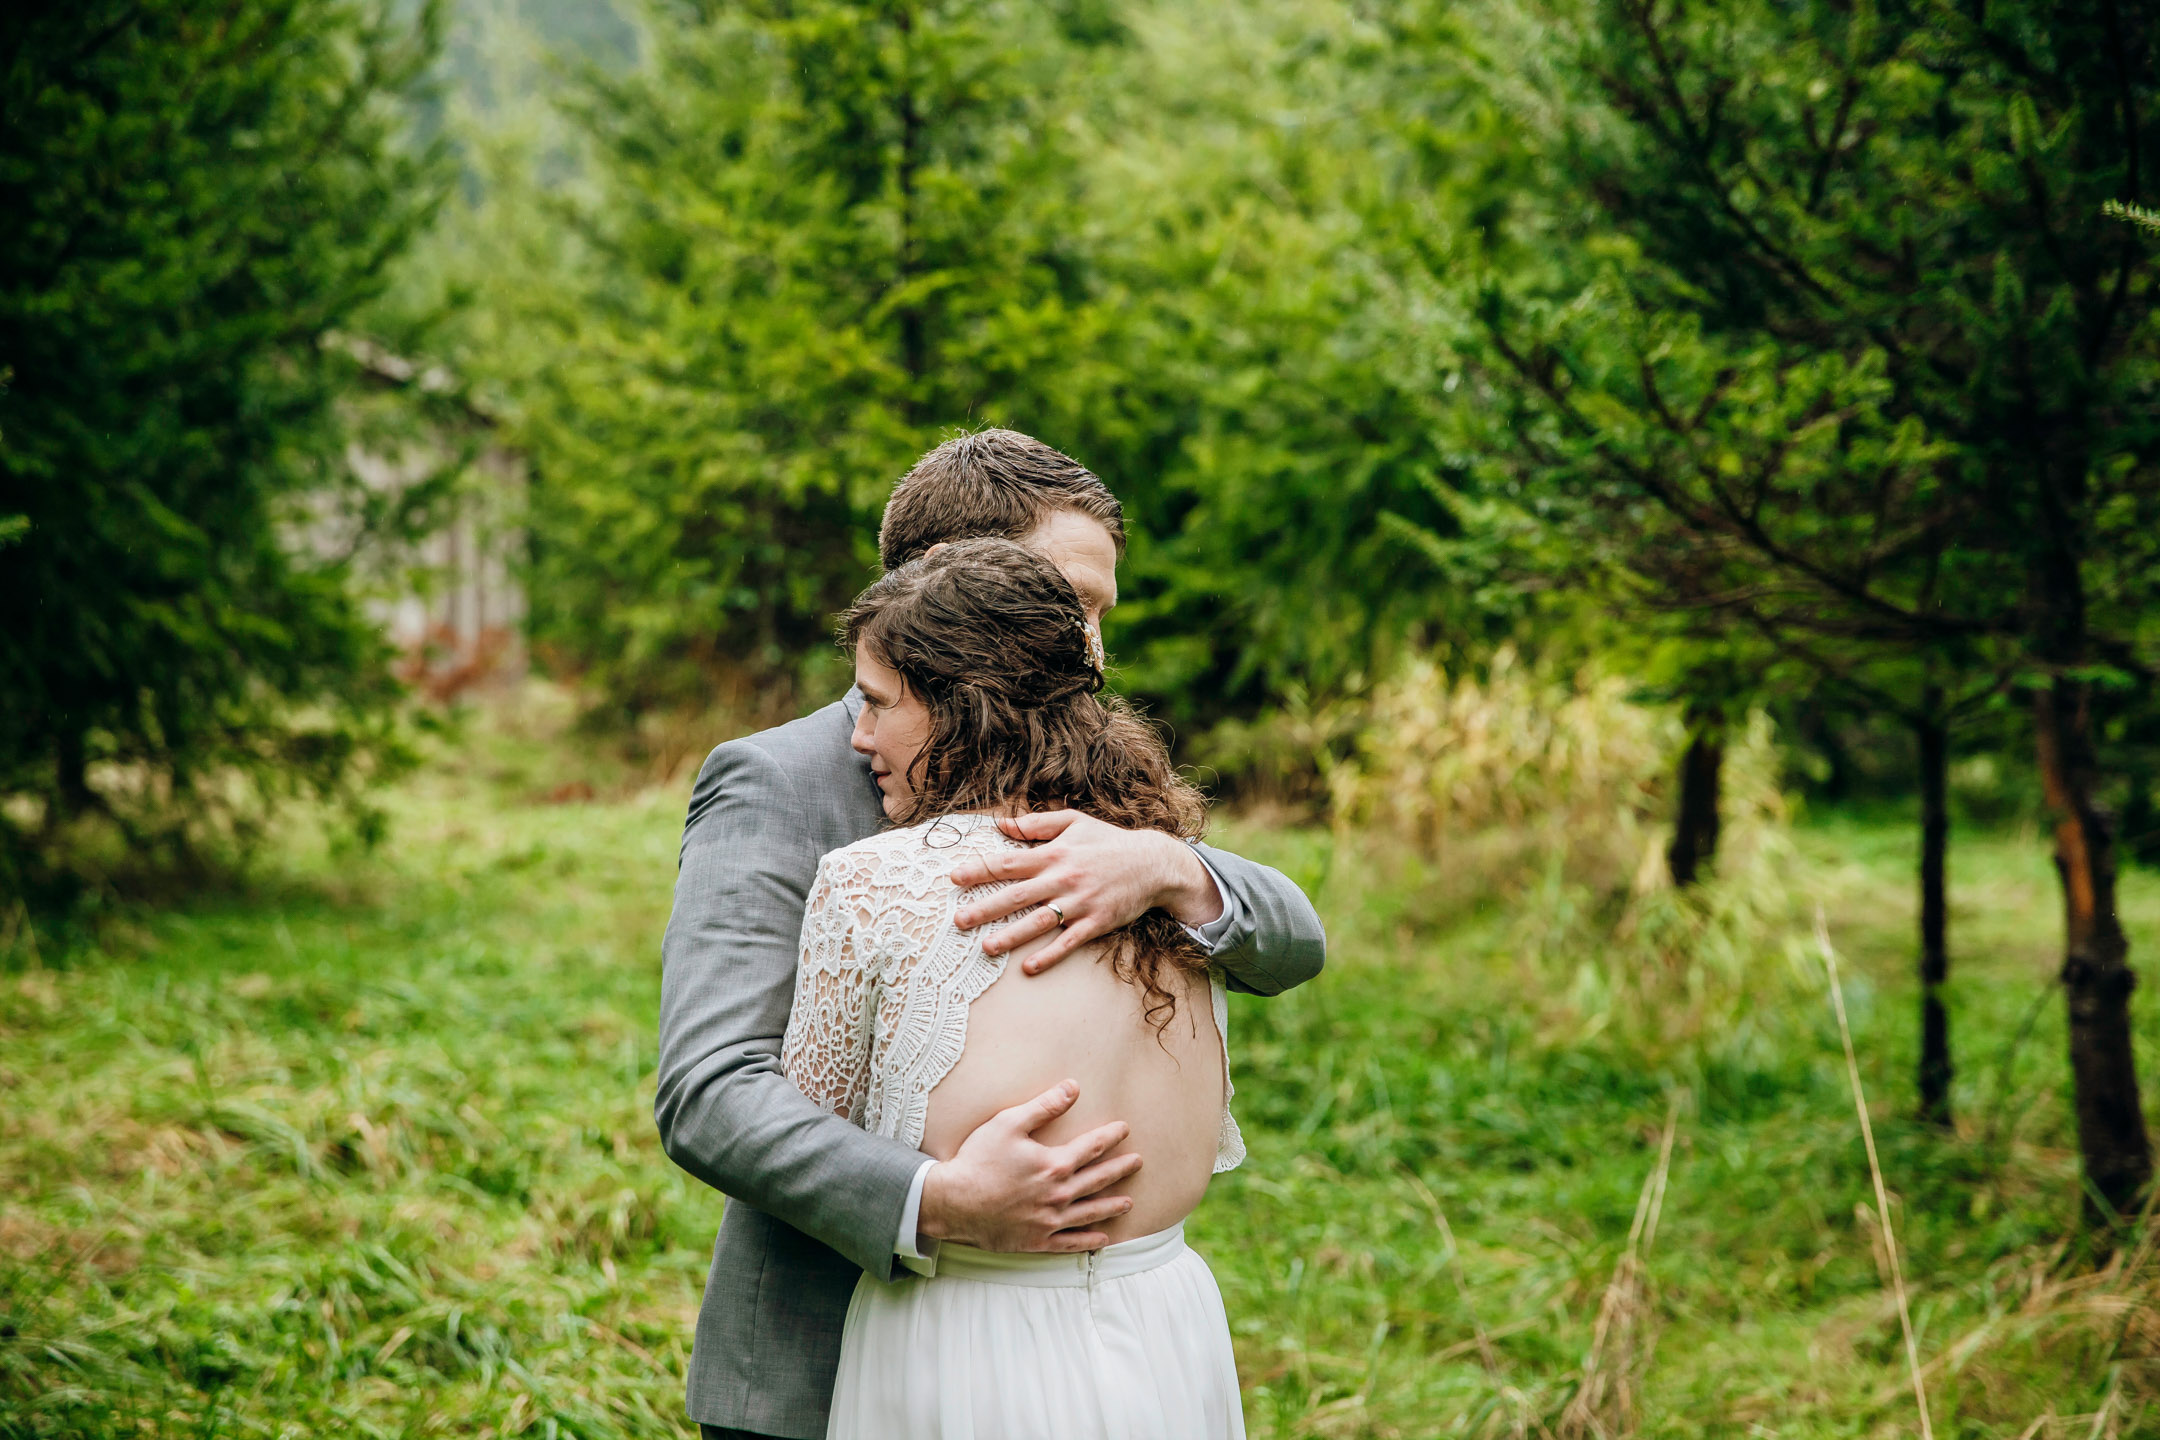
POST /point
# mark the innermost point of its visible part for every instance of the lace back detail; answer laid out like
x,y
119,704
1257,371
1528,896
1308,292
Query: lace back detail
x,y
886,979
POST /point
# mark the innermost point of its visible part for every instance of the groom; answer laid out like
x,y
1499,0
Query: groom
x,y
815,1200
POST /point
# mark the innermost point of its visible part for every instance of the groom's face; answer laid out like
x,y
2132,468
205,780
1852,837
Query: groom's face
x,y
1080,547
1082,550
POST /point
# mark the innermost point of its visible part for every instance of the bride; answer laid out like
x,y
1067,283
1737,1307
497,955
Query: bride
x,y
981,679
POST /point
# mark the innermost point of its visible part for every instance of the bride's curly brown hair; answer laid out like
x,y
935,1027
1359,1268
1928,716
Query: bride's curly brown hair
x,y
993,640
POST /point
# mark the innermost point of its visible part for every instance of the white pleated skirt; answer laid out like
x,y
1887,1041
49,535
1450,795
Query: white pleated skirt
x,y
1125,1343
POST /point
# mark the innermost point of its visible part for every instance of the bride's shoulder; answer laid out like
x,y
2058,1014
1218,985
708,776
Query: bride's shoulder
x,y
903,853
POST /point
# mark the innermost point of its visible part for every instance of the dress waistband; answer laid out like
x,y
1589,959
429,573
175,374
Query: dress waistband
x,y
1127,1257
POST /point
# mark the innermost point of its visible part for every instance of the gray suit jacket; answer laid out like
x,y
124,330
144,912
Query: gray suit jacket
x,y
764,810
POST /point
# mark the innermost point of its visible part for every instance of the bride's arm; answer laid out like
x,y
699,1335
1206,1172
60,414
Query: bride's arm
x,y
826,1051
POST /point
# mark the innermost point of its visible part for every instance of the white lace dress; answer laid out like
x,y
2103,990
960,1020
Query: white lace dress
x,y
1126,1343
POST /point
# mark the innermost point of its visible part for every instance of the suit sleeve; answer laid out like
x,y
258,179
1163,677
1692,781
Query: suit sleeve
x,y
726,1111
1274,940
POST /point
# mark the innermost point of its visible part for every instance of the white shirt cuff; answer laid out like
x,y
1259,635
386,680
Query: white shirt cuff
x,y
914,1253
1212,933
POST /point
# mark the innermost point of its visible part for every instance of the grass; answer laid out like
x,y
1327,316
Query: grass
x,y
367,1149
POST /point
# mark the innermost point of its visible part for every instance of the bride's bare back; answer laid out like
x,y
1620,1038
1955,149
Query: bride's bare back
x,y
902,1024
1078,1021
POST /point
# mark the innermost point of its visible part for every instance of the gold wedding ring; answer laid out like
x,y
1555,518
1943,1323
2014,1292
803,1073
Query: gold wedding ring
x,y
1057,910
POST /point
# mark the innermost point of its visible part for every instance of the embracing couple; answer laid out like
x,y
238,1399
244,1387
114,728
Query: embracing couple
x,y
944,1013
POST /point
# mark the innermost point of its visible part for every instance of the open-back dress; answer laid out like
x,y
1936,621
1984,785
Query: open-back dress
x,y
1125,1343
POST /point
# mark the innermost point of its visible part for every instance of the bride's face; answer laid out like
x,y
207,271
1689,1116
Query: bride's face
x,y
891,729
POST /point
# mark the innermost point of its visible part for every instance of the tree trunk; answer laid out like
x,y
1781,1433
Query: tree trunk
x,y
2096,976
1695,833
914,345
71,760
1935,1069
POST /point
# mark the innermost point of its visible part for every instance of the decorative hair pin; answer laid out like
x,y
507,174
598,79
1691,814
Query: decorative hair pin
x,y
1091,638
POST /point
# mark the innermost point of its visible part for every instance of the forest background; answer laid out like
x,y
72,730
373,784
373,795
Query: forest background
x,y
1631,503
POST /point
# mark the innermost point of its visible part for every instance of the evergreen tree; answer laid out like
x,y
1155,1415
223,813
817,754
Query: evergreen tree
x,y
813,238
1274,422
1849,354
192,198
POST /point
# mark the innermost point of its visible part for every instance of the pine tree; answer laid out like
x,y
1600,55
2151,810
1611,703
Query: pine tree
x,y
813,239
1849,354
192,197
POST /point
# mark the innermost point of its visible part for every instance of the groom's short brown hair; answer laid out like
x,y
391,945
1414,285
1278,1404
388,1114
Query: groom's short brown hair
x,y
991,483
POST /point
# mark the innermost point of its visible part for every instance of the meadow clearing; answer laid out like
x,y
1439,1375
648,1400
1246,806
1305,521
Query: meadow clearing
x,y
364,1146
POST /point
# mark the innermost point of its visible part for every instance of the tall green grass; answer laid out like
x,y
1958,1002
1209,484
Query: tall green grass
x,y
365,1147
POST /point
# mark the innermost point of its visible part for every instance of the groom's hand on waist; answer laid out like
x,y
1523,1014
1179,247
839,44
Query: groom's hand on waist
x,y
1006,1190
1102,876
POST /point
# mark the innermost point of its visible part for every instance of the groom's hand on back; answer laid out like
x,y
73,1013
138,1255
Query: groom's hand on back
x,y
1102,876
1006,1190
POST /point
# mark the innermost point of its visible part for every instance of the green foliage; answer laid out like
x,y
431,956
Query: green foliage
x,y
811,239
791,249
1278,397
2137,215
192,198
1847,353
1845,356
